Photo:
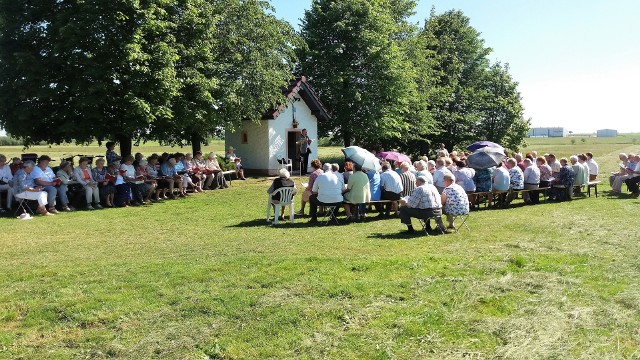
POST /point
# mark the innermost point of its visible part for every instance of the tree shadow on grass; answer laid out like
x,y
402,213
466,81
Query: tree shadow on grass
x,y
285,224
401,236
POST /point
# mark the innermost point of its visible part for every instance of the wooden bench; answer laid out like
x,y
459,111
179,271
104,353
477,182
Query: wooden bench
x,y
229,173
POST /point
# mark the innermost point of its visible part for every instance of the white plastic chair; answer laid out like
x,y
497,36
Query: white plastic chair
x,y
286,199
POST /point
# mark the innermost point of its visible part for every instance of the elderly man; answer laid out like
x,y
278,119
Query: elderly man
x,y
531,177
408,179
24,187
327,191
44,177
593,167
438,174
554,164
424,203
391,184
634,179
626,168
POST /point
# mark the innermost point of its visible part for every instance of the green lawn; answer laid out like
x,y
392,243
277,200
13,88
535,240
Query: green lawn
x,y
206,277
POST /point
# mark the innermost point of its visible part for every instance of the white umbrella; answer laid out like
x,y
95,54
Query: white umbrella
x,y
362,157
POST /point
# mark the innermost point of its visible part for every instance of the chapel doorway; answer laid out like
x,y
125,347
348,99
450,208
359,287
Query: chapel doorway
x,y
293,148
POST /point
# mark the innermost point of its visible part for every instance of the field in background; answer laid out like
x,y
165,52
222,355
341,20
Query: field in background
x,y
206,278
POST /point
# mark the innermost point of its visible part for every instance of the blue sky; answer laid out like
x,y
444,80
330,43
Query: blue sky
x,y
577,62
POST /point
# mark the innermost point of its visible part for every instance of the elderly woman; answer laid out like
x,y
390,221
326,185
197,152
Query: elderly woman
x,y
5,181
454,200
358,192
565,179
193,171
545,172
421,170
85,178
25,188
164,184
235,159
306,195
281,181
168,170
215,179
348,171
516,178
66,176
149,184
106,188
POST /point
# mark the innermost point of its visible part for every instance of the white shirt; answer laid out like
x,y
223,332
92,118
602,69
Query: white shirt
x,y
390,181
593,167
5,173
328,187
438,176
531,175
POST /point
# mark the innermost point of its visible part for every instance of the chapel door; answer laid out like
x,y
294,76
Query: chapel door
x,y
293,148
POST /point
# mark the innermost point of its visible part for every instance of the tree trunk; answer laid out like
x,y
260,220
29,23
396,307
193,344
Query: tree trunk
x,y
126,145
196,143
346,137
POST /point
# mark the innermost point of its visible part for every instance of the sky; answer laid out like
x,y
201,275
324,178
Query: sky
x,y
577,62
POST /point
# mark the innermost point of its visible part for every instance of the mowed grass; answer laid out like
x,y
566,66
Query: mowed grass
x,y
206,277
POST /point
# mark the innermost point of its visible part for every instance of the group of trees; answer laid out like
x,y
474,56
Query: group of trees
x,y
130,70
393,84
178,71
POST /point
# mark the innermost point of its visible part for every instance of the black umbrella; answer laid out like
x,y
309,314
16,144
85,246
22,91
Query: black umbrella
x,y
485,158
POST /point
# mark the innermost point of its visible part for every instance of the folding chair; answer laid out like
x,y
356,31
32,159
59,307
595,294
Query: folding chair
x,y
23,204
423,223
330,213
464,219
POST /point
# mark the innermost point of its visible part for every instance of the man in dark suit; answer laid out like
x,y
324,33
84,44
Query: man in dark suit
x,y
305,150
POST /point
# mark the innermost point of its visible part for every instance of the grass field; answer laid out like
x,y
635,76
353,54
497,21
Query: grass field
x,y
206,278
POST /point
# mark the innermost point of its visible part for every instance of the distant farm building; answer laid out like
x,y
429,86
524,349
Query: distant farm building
x,y
607,133
552,132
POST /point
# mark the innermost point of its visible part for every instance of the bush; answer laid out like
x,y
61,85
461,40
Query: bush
x,y
225,164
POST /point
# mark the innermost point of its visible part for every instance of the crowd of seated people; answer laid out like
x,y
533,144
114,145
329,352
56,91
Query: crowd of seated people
x,y
391,190
113,181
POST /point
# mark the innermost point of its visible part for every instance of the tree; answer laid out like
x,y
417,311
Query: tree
x,y
459,66
469,98
356,61
168,70
75,71
234,59
501,109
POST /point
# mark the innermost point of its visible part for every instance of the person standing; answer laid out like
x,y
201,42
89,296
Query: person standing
x,y
305,150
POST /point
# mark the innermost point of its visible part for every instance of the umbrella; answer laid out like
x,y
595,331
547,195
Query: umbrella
x,y
395,156
362,157
485,158
480,144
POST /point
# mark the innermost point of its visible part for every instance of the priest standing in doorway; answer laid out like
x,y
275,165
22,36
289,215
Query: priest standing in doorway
x,y
305,150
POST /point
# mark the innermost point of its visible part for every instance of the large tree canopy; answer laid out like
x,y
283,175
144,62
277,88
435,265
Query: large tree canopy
x,y
356,62
388,83
138,70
